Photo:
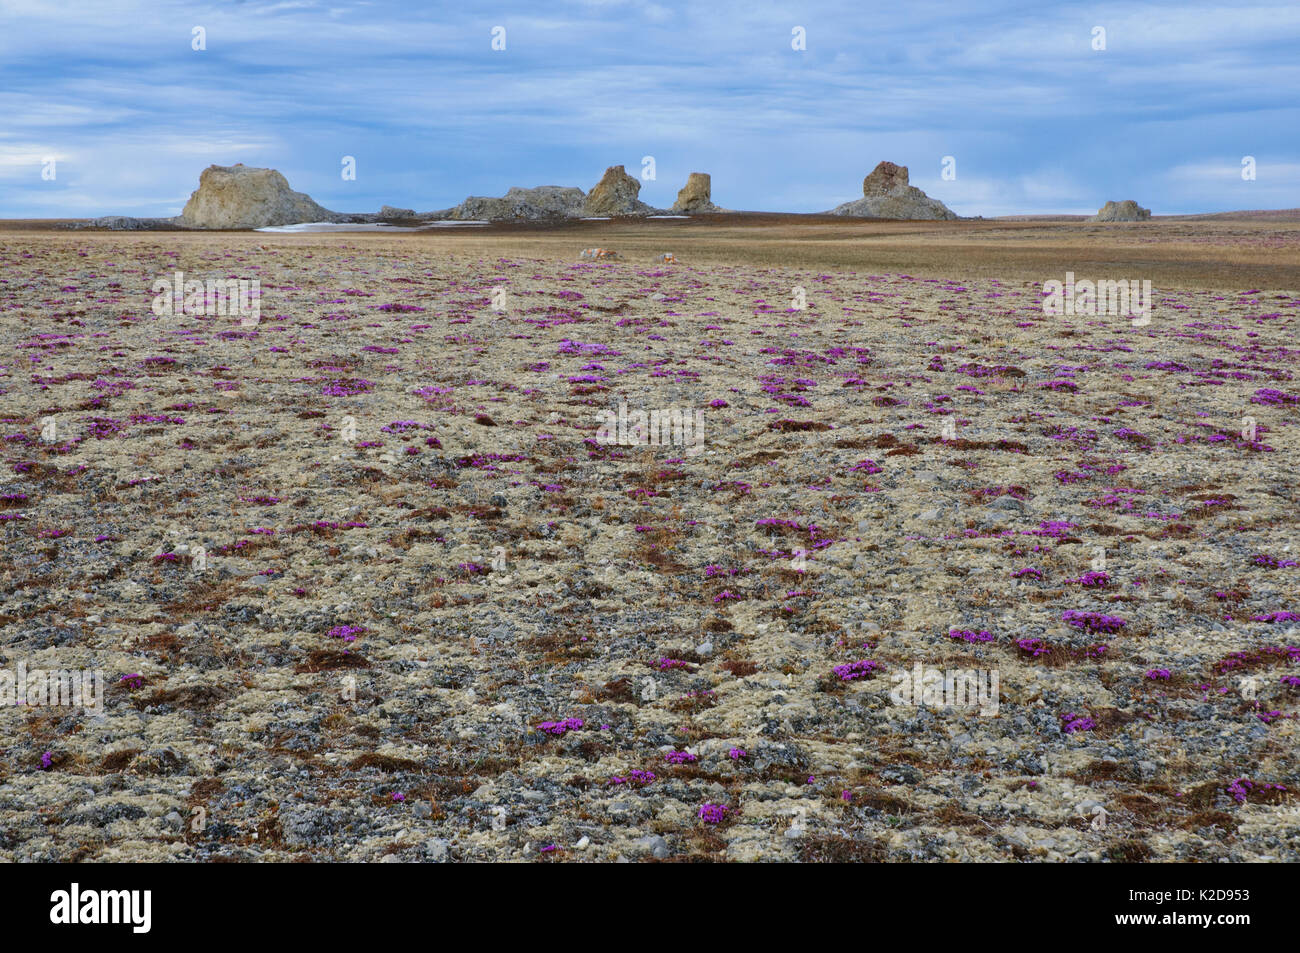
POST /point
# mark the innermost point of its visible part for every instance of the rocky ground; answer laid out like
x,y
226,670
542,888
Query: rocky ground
x,y
435,617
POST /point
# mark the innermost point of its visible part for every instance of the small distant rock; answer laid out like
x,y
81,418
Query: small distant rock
x,y
124,223
886,194
546,202
615,194
599,253
695,194
1125,211
390,214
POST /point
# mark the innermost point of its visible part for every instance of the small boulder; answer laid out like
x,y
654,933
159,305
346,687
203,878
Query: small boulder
x,y
695,194
615,194
238,196
1125,211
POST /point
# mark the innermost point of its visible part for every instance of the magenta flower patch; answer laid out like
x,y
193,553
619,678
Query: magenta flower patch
x,y
348,633
712,813
855,670
1092,621
1070,723
560,727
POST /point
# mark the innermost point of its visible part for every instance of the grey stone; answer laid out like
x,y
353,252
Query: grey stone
x,y
1125,211
538,204
886,194
615,194
657,846
238,196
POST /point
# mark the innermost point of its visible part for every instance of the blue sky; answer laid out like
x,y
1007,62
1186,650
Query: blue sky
x,y
1035,118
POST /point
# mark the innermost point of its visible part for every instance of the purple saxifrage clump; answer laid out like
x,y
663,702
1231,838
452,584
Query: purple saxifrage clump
x,y
560,727
348,633
853,670
1070,723
712,813
1092,621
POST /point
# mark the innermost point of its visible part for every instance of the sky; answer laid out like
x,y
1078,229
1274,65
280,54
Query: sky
x,y
1034,117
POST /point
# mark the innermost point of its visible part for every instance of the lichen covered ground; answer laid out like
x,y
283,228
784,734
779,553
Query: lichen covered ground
x,y
418,551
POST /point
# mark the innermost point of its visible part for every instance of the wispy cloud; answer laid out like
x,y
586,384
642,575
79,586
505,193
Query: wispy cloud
x,y
1037,119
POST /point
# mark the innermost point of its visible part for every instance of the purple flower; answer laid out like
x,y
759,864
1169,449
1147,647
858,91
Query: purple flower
x,y
1092,579
664,664
1070,723
635,776
1034,647
1268,395
1272,562
853,670
560,727
713,813
348,633
1092,621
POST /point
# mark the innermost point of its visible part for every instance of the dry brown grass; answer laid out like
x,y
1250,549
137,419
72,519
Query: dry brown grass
x,y
1247,250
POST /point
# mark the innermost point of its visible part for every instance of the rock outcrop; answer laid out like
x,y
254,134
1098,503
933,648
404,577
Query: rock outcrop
x,y
238,196
1125,211
390,214
886,194
540,204
615,194
695,194
884,178
125,223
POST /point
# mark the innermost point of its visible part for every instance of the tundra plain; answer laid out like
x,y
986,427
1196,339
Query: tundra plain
x,y
366,585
